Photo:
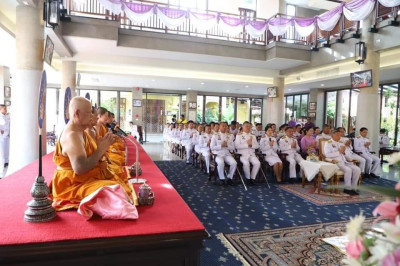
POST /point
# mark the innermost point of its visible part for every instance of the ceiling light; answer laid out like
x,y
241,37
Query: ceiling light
x,y
189,88
227,90
146,85
202,83
322,85
153,80
246,86
289,89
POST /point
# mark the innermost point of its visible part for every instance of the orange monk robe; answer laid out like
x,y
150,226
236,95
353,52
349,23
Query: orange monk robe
x,y
69,188
115,154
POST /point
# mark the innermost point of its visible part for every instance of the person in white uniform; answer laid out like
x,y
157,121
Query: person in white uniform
x,y
288,144
349,154
204,145
326,133
187,139
269,147
373,163
384,140
197,137
4,138
334,149
258,132
222,145
246,144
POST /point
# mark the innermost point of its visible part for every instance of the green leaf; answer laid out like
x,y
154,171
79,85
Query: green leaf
x,y
364,255
369,242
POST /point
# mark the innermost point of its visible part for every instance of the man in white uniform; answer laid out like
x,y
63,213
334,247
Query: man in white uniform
x,y
288,144
326,133
373,163
204,146
187,139
221,145
335,150
349,154
4,138
246,144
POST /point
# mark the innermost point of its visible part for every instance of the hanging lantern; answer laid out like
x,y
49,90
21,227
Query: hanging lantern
x,y
51,13
360,52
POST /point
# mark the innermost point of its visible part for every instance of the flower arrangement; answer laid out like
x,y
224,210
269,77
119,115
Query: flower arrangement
x,y
312,157
382,247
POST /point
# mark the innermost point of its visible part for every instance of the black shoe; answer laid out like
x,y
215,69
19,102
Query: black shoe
x,y
6,164
355,193
350,192
366,176
230,182
292,180
374,176
250,182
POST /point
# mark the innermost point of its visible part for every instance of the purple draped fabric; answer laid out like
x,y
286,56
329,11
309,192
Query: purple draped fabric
x,y
203,16
139,8
305,22
172,12
357,4
115,1
278,21
258,25
231,21
329,14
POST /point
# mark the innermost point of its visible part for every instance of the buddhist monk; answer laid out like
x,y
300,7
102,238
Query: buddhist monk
x,y
81,167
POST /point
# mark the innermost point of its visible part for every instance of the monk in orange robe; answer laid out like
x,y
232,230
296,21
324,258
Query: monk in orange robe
x,y
81,168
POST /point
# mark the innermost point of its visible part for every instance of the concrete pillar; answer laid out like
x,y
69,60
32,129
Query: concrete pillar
x,y
368,99
137,112
275,107
339,106
68,79
29,39
317,96
191,113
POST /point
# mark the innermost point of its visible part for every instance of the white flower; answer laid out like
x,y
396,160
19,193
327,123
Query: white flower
x,y
392,231
394,158
379,251
354,227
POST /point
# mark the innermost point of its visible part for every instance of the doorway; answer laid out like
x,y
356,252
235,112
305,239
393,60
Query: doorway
x,y
158,110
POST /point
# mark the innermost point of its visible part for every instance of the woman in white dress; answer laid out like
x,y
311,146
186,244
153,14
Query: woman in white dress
x,y
269,147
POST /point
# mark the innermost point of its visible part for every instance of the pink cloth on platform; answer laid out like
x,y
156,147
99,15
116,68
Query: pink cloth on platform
x,y
109,202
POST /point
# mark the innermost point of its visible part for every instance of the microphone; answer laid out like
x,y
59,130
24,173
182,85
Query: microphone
x,y
116,130
270,139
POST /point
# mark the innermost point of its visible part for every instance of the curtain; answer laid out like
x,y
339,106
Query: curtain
x,y
171,17
203,22
138,13
114,6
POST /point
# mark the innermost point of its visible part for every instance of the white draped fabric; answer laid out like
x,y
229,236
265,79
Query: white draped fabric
x,y
328,20
231,28
138,18
311,169
255,32
279,26
170,22
389,3
203,22
304,30
358,12
114,6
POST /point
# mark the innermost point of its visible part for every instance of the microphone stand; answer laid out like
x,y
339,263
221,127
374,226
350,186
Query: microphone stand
x,y
136,180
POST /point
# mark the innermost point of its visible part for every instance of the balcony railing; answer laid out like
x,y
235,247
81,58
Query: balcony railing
x,y
93,9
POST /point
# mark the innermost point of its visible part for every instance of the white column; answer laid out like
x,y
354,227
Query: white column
x,y
339,106
137,112
24,137
368,100
68,79
191,113
274,110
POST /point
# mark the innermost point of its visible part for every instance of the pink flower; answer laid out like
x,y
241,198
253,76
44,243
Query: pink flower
x,y
388,209
355,248
392,259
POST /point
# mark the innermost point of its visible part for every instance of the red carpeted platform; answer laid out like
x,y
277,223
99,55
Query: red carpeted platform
x,y
169,214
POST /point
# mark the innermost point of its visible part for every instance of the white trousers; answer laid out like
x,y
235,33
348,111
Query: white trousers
x,y
3,154
221,160
189,149
361,161
372,164
206,155
293,158
351,174
246,159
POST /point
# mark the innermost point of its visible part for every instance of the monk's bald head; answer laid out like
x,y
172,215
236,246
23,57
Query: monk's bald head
x,y
78,103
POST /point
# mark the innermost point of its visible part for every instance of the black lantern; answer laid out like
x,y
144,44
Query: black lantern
x,y
51,13
360,52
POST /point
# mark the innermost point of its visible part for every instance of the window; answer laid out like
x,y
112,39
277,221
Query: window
x,y
92,95
330,108
108,100
343,101
200,109
256,110
296,106
353,109
304,106
125,109
288,108
243,110
227,109
291,10
389,94
183,105
211,109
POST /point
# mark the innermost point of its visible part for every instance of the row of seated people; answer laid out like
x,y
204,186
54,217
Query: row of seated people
x,y
223,144
89,158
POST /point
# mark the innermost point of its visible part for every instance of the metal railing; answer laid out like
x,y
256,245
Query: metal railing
x,y
93,9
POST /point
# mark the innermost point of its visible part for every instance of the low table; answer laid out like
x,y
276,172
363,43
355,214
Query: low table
x,y
320,169
387,151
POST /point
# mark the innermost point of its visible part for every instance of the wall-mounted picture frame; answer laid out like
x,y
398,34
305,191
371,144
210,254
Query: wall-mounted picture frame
x,y
137,103
312,114
312,106
192,105
361,79
48,50
272,92
7,103
7,92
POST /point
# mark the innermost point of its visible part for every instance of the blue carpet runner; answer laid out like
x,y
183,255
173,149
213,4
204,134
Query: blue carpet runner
x,y
227,209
